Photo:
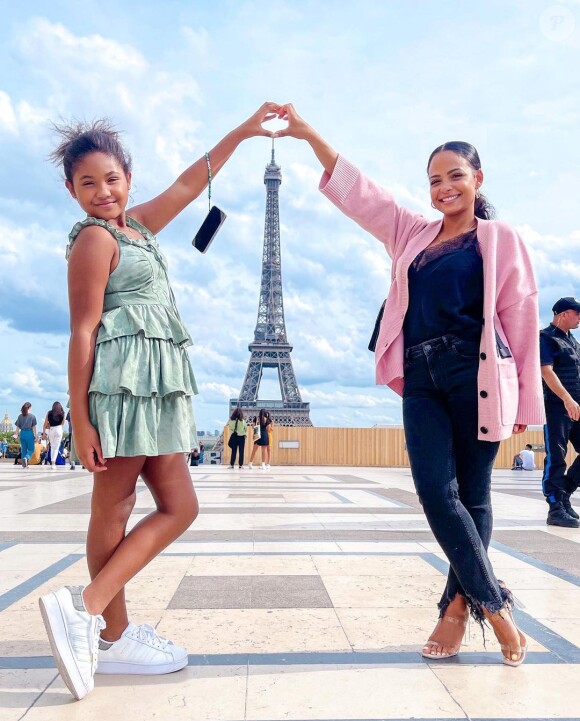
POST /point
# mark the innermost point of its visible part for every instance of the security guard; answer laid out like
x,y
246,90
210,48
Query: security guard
x,y
560,360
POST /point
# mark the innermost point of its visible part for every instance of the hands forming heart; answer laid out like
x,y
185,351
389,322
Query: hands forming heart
x,y
281,121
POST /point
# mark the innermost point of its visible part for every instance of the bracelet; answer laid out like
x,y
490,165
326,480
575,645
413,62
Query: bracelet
x,y
208,181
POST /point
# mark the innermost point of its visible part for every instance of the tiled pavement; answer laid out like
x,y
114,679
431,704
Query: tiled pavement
x,y
300,593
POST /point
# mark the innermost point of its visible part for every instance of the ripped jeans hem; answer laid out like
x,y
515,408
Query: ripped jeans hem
x,y
477,608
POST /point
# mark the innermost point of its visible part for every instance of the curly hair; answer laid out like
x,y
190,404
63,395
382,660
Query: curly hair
x,y
79,138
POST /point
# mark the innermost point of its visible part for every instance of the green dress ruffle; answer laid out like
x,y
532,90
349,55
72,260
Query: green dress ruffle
x,y
140,395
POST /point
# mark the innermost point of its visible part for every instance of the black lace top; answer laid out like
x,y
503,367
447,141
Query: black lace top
x,y
446,291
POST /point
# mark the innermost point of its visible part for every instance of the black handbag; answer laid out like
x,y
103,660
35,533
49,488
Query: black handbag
x,y
232,439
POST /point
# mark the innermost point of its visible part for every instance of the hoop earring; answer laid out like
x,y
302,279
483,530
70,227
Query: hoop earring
x,y
434,208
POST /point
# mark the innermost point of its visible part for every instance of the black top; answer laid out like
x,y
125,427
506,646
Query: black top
x,y
446,291
561,351
54,419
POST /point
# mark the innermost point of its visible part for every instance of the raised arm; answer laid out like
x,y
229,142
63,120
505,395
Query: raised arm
x,y
89,267
356,195
157,213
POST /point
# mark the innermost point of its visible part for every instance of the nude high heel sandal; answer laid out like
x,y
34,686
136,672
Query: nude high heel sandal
x,y
437,656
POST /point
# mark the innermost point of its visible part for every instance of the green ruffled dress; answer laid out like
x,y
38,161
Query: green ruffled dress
x,y
140,395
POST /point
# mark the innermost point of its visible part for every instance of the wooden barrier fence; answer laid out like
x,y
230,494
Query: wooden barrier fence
x,y
366,447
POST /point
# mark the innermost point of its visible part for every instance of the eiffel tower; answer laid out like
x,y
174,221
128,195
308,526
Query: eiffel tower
x,y
270,348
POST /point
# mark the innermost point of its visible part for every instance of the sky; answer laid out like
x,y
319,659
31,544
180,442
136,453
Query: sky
x,y
383,81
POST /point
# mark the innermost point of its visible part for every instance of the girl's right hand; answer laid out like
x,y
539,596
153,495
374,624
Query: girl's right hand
x,y
88,448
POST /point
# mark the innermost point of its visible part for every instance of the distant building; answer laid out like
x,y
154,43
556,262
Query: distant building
x,y
6,426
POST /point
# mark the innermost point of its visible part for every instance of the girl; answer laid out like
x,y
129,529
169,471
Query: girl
x,y
53,428
26,433
239,430
131,385
455,342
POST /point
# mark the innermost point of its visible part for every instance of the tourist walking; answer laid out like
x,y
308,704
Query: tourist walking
x,y
26,433
70,444
53,427
454,341
560,360
238,431
131,386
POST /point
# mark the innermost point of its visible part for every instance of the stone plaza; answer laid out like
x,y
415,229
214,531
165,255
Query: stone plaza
x,y
301,593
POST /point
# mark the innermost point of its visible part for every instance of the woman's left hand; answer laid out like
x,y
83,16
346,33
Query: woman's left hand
x,y
519,428
253,125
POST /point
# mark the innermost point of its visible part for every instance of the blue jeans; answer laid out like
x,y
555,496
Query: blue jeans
x,y
451,468
26,443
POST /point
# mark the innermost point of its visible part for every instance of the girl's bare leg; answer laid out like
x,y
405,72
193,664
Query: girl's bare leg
x,y
112,502
168,479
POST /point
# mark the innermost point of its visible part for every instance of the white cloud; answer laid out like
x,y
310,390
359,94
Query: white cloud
x,y
42,41
26,380
7,115
177,85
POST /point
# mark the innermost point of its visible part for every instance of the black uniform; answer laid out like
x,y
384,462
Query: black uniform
x,y
562,352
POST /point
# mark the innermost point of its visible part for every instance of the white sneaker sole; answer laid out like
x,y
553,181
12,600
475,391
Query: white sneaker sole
x,y
135,669
61,649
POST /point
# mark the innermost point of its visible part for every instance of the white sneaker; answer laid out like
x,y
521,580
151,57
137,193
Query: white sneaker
x,y
250,465
73,636
263,466
267,466
141,651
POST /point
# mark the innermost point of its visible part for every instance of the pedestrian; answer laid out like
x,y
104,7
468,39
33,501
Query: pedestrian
x,y
3,448
26,433
238,431
131,386
254,436
201,453
53,427
560,359
194,457
264,421
70,444
454,342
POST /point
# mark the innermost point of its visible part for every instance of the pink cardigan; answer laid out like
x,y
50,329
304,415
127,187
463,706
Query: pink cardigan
x,y
510,389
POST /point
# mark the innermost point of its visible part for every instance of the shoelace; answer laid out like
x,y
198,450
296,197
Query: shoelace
x,y
147,633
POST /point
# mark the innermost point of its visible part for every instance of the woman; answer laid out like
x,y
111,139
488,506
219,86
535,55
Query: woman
x,y
455,343
238,432
26,433
53,427
265,422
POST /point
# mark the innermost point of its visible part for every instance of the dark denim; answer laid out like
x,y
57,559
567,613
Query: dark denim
x,y
451,468
558,431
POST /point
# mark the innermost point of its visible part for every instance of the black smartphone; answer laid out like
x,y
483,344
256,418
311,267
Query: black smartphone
x,y
209,229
